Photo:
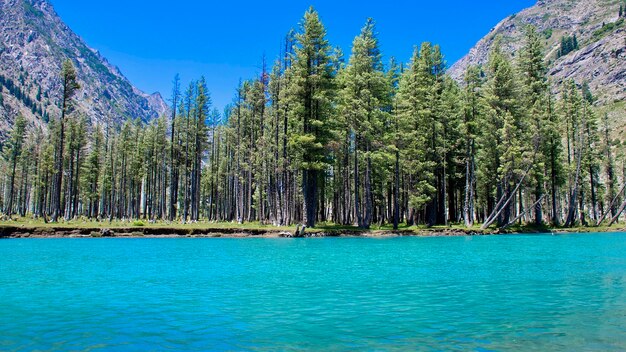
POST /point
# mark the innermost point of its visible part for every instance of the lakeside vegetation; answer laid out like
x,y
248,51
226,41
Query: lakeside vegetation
x,y
320,139
135,228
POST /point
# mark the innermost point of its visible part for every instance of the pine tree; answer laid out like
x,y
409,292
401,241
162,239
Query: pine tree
x,y
609,167
586,92
472,114
364,96
451,150
571,106
535,91
593,154
174,151
92,172
70,86
45,172
393,79
311,90
276,178
28,167
77,140
202,106
13,155
189,112
502,144
406,101
553,151
444,140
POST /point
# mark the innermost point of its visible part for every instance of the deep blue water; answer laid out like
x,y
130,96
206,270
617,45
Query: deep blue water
x,y
502,293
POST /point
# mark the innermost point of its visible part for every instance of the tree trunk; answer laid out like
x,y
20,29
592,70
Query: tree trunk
x,y
309,180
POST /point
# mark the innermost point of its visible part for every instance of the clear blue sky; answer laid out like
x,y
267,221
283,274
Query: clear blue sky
x,y
151,41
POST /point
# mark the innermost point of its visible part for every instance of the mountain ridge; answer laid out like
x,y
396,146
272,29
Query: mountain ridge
x,y
34,42
599,61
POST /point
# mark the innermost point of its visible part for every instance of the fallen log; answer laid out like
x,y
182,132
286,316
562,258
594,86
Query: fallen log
x,y
524,212
490,220
611,205
619,212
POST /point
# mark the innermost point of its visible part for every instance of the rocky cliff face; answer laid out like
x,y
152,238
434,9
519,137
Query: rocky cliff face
x,y
33,44
600,60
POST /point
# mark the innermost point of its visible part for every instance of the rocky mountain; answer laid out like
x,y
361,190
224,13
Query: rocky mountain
x,y
600,57
34,42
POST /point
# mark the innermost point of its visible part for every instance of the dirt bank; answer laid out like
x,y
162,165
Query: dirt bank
x,y
7,231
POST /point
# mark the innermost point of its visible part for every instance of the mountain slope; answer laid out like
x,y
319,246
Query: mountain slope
x,y
33,44
600,60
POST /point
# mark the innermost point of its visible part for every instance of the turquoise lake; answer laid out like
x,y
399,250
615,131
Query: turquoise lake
x,y
491,293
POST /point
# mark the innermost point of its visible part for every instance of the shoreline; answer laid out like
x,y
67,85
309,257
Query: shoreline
x,y
10,231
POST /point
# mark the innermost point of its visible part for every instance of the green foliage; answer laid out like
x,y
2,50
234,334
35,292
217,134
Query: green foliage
x,y
310,96
568,44
311,92
69,79
15,154
20,94
587,94
138,223
606,29
547,34
16,140
363,99
537,106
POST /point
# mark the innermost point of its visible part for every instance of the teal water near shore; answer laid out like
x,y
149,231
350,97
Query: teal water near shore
x,y
486,293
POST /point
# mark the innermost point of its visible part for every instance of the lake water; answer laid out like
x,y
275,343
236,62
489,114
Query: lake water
x,y
500,293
